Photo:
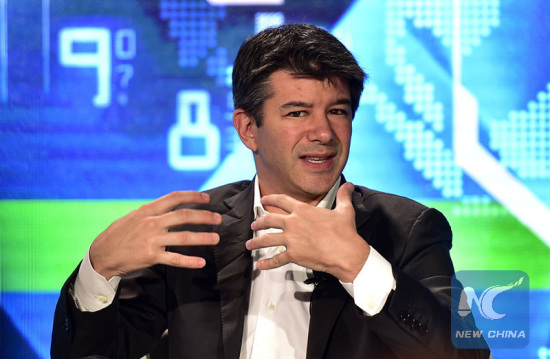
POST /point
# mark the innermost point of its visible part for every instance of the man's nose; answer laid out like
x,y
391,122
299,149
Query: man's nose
x,y
320,129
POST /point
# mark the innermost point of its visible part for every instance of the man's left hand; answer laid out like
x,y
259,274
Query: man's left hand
x,y
317,238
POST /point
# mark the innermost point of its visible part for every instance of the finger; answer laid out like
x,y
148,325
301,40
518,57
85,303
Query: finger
x,y
271,220
343,196
282,201
266,240
180,260
276,261
188,216
186,238
171,200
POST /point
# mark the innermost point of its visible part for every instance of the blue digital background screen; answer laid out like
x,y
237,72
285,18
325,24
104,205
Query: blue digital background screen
x,y
108,104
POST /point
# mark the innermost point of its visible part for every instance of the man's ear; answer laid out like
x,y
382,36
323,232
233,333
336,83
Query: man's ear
x,y
246,128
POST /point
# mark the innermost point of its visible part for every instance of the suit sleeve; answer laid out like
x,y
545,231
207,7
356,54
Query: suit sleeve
x,y
416,319
118,331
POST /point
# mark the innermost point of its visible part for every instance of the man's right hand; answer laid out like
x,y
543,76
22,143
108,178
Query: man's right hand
x,y
139,239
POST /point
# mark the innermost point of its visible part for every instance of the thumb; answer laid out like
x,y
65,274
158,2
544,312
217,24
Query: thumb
x,y
343,196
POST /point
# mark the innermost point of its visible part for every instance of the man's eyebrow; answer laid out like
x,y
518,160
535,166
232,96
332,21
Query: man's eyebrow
x,y
342,101
293,104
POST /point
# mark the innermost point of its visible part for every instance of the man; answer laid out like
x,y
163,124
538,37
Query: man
x,y
294,264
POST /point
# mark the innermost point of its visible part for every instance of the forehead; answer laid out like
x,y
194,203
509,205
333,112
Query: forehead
x,y
285,85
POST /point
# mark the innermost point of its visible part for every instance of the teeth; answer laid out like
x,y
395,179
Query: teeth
x,y
315,160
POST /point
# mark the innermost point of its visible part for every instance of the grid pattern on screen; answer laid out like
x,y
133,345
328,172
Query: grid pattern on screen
x,y
427,153
216,67
523,141
477,19
422,147
476,206
194,24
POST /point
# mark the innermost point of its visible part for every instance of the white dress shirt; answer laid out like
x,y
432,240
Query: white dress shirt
x,y
277,323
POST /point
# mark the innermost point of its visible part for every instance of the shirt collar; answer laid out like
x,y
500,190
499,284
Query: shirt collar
x,y
326,202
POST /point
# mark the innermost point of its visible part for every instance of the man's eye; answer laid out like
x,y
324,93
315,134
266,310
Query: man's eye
x,y
338,111
297,114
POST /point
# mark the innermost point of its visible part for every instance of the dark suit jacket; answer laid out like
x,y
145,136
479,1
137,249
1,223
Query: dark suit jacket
x,y
204,309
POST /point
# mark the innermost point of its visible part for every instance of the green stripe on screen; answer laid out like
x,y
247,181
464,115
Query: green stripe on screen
x,y
41,242
487,237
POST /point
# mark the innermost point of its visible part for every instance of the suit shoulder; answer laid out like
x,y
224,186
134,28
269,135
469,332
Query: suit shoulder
x,y
399,208
382,200
219,195
228,190
401,219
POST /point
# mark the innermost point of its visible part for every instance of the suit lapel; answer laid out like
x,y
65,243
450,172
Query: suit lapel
x,y
357,200
361,213
327,301
329,297
234,268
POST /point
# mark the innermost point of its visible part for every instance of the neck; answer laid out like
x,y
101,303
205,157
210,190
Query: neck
x,y
312,200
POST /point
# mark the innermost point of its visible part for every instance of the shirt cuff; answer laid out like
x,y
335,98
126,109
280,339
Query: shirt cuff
x,y
373,284
92,292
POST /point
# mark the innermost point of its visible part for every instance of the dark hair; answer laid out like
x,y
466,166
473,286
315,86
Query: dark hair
x,y
301,49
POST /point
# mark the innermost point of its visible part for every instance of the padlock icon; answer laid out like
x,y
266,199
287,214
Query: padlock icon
x,y
193,126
